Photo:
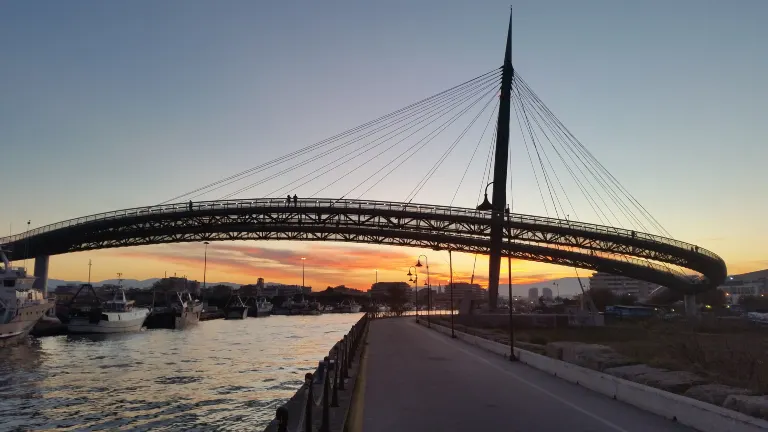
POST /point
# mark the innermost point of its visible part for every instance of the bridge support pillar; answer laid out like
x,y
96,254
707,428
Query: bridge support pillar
x,y
41,273
690,305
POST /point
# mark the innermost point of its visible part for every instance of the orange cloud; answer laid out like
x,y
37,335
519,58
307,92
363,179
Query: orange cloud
x,y
326,264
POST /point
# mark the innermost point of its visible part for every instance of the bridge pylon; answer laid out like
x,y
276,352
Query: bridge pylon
x,y
499,201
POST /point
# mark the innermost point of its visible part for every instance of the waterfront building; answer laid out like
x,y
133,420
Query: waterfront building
x,y
464,289
621,285
533,294
547,293
274,290
736,288
65,293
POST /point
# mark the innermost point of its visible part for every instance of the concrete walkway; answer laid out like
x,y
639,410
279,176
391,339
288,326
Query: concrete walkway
x,y
419,380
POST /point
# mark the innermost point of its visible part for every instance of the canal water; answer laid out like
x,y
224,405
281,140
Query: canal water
x,y
218,375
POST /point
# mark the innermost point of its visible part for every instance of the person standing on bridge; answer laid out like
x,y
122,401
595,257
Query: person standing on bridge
x,y
288,200
295,200
190,205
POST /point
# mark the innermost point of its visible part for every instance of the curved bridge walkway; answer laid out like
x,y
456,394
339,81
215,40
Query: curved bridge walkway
x,y
417,380
574,244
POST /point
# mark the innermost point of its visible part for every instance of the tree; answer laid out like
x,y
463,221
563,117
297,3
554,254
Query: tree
x,y
714,297
666,296
754,303
602,297
396,299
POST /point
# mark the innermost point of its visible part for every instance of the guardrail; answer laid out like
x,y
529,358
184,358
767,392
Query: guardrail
x,y
330,378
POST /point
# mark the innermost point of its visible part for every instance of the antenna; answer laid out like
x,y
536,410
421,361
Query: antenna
x,y
89,272
119,279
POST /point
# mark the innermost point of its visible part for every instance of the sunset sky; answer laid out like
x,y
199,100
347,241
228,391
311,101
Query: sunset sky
x,y
111,105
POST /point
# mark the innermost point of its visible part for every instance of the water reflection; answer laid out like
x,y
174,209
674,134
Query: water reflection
x,y
227,375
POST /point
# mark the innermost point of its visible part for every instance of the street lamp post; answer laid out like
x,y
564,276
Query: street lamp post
x,y
302,274
429,286
450,264
415,279
205,263
509,286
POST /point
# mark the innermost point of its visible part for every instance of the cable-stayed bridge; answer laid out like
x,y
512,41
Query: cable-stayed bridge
x,y
591,220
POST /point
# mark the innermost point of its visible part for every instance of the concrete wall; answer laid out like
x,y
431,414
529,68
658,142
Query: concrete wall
x,y
690,412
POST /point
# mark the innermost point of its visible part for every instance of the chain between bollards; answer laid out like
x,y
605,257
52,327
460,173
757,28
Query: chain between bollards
x,y
339,363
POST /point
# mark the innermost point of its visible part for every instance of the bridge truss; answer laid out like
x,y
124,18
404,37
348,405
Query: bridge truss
x,y
634,254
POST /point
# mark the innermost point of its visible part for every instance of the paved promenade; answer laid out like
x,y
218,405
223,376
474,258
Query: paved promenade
x,y
418,380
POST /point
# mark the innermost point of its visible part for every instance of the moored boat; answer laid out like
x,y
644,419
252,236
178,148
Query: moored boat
x,y
235,308
21,306
187,311
113,316
349,306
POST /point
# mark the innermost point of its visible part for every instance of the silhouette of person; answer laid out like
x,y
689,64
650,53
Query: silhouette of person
x,y
190,205
295,200
288,200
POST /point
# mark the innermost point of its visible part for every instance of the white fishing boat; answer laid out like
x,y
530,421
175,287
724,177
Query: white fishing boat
x,y
187,311
263,307
349,306
21,306
113,316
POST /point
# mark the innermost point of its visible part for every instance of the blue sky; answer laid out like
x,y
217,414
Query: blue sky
x,y
108,105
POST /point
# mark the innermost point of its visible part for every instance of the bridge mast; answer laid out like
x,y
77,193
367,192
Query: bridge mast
x,y
500,172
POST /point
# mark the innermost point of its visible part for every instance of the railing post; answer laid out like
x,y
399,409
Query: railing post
x,y
310,403
340,367
335,364
346,357
325,425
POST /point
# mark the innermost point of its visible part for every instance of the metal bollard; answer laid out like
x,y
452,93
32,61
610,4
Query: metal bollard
x,y
335,397
310,403
325,425
346,365
340,366
282,419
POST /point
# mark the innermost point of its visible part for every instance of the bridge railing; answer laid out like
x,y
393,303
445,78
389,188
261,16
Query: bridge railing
x,y
306,203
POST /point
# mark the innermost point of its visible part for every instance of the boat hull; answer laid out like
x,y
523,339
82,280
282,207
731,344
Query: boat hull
x,y
188,317
11,335
16,331
84,325
238,312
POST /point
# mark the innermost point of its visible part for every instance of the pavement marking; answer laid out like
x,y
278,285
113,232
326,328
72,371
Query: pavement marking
x,y
442,339
355,421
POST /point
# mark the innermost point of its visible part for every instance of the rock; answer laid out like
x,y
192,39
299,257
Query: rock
x,y
672,381
555,349
630,372
755,406
714,393
595,357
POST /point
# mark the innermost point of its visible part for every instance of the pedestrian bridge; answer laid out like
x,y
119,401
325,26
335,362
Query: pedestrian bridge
x,y
634,254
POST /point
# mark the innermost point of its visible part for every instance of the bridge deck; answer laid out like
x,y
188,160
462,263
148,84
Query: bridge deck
x,y
419,380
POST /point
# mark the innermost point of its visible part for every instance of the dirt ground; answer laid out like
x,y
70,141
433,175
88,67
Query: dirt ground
x,y
731,352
